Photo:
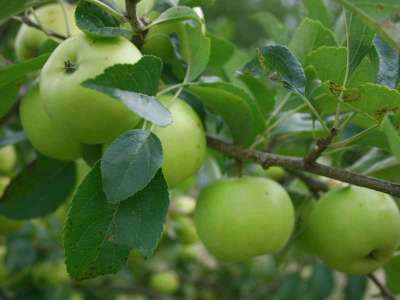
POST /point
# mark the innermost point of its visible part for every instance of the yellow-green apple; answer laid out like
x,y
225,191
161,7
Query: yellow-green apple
x,y
51,17
166,282
354,230
240,218
8,159
44,134
89,116
183,142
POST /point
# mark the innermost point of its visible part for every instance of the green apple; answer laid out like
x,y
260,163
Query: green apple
x,y
186,231
51,17
275,173
184,142
44,134
240,218
89,116
165,282
355,230
8,159
183,205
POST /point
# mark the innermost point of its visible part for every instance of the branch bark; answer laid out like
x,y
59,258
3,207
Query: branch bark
x,y
321,146
297,163
384,291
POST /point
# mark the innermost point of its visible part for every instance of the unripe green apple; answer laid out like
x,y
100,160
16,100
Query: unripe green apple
x,y
355,230
184,142
186,230
8,159
44,134
89,116
165,282
51,17
183,205
244,217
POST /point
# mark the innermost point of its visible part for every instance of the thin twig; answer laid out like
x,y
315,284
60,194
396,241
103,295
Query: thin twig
x,y
384,291
297,163
321,146
25,20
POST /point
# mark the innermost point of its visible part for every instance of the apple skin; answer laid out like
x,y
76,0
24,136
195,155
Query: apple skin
x,y
240,218
355,230
8,159
89,116
165,282
186,230
29,40
44,135
184,142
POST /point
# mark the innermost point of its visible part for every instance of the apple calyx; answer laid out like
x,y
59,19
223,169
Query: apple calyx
x,y
70,67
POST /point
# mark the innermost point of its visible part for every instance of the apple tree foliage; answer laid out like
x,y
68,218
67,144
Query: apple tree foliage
x,y
330,83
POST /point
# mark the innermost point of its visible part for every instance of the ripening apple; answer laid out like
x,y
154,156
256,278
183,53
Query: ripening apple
x,y
8,159
240,218
45,136
166,282
89,116
183,142
51,17
355,230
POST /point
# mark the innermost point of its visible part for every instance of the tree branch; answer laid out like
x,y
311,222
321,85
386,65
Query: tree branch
x,y
297,163
384,291
25,20
321,146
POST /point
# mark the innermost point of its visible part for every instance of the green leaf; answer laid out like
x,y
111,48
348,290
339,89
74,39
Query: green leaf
x,y
221,50
14,7
392,135
389,62
130,163
194,3
280,59
317,10
91,19
356,287
359,40
197,52
274,28
239,110
375,100
18,71
176,13
8,94
99,235
321,283
39,189
392,273
264,95
135,86
329,62
310,35
377,16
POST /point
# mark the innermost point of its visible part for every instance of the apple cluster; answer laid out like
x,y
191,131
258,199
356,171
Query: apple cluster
x,y
352,229
63,119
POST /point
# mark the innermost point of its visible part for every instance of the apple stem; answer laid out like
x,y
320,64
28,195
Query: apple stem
x,y
266,160
384,291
